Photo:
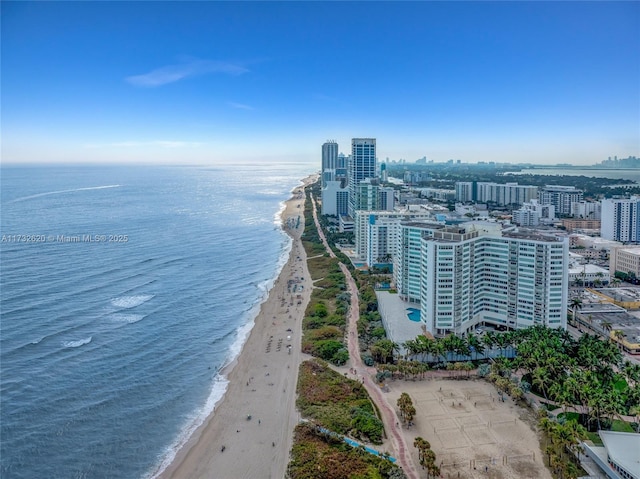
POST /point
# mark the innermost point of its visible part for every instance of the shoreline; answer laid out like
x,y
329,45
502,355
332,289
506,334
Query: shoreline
x,y
249,432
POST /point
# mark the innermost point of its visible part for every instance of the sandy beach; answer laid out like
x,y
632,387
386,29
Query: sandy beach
x,y
473,433
262,381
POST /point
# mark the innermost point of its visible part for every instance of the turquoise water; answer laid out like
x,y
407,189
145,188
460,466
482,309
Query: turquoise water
x,y
414,314
353,443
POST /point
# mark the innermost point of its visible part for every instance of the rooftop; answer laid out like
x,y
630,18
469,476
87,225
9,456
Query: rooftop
x,y
623,449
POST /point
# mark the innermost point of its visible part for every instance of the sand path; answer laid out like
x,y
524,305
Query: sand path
x,y
389,417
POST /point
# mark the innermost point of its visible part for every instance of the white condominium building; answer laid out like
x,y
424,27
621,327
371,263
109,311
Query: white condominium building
x,y
406,261
469,276
335,199
507,194
620,219
586,209
561,197
533,213
376,232
500,194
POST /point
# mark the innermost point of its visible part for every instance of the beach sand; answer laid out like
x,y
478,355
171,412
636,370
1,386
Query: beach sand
x,y
262,382
473,433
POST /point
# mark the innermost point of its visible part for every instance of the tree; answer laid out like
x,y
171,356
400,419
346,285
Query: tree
x,y
407,410
426,456
576,304
619,335
474,344
382,350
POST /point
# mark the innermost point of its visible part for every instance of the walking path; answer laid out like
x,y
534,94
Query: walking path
x,y
389,417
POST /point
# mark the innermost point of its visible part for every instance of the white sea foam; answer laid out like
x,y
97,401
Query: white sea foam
x,y
221,382
48,193
127,302
127,318
36,341
77,343
277,218
218,389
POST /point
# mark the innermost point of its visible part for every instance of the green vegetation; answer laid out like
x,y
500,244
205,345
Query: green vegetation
x,y
318,454
337,403
426,456
325,317
560,438
579,373
406,407
439,175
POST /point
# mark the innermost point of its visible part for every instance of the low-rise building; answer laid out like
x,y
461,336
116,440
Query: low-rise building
x,y
625,259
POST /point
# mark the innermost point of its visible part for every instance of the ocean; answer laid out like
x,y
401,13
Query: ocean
x,y
124,291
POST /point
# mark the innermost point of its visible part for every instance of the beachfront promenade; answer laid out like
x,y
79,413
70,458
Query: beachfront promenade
x,y
389,418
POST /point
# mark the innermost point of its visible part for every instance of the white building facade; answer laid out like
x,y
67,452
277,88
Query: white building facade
x,y
561,197
586,209
620,220
469,277
335,199
533,214
505,194
376,232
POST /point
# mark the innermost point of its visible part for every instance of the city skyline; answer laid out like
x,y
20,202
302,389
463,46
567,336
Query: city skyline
x,y
236,82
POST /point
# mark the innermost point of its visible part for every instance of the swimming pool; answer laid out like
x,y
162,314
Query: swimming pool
x,y
413,314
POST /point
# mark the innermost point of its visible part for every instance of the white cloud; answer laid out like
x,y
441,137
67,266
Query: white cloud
x,y
173,73
240,106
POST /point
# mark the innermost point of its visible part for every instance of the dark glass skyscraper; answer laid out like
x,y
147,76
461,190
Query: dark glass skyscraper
x,y
362,165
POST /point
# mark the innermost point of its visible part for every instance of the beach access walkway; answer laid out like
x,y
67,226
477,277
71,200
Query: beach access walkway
x,y
389,417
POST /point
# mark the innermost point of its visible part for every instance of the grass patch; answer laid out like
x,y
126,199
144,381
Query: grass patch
x,y
315,454
337,403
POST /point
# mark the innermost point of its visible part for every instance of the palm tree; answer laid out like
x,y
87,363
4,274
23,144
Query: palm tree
x,y
619,335
576,303
474,343
489,339
598,281
422,445
407,410
606,327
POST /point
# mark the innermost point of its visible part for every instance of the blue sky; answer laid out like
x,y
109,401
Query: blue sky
x,y
211,82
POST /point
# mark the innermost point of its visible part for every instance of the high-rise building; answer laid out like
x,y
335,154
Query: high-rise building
x,y
505,194
362,165
586,210
501,194
329,160
511,281
474,274
406,261
533,213
561,197
335,199
375,229
621,220
466,191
